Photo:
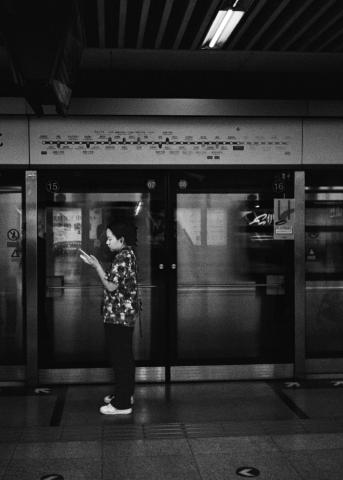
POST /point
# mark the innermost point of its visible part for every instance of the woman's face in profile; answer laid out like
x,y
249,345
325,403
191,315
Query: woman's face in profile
x,y
113,243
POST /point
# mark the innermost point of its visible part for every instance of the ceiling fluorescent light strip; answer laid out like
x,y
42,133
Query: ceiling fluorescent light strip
x,y
222,27
215,26
231,24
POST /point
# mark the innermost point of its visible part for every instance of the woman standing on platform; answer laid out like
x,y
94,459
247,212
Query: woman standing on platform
x,y
120,310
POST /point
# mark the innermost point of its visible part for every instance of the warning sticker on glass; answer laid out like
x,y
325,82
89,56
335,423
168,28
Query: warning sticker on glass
x,y
283,218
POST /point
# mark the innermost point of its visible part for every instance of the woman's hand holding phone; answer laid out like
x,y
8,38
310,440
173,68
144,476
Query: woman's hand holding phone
x,y
85,257
89,259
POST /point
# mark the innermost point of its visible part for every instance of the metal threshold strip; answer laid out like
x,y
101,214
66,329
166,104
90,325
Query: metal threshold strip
x,y
324,287
188,288
10,190
228,287
165,431
90,287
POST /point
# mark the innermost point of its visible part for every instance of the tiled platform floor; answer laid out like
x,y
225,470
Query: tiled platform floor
x,y
200,431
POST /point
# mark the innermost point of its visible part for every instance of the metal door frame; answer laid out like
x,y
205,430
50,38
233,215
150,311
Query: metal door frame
x,y
31,278
166,372
299,276
318,367
260,371
15,374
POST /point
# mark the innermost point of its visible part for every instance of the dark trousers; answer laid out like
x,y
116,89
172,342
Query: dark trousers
x,y
119,346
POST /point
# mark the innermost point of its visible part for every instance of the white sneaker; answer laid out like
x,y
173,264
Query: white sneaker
x,y
110,410
108,399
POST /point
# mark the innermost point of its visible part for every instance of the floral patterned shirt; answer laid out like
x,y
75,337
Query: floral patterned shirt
x,y
121,306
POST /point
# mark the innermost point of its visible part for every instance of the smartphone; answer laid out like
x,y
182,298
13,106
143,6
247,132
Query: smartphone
x,y
84,253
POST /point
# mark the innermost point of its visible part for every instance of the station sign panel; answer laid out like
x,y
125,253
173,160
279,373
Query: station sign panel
x,y
165,141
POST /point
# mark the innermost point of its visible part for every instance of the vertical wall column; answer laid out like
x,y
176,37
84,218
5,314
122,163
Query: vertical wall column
x,y
31,279
299,276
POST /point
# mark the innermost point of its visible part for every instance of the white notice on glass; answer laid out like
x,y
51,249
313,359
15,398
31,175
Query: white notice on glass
x,y
66,226
95,219
189,219
216,226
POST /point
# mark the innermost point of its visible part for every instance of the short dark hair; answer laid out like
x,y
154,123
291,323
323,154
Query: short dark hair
x,y
124,228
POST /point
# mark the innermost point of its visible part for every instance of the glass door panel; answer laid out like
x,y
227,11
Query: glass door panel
x,y
12,350
324,265
70,325
234,288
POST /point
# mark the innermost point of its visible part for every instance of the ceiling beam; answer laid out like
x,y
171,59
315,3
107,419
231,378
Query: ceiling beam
x,y
267,24
339,47
287,24
307,25
208,60
333,37
212,10
253,12
164,22
143,23
184,23
101,23
122,23
320,31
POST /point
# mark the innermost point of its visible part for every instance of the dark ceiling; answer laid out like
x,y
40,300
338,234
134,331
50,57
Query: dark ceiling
x,y
269,25
152,48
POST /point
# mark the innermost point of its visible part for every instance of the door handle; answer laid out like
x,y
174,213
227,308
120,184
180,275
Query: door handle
x,y
173,266
161,266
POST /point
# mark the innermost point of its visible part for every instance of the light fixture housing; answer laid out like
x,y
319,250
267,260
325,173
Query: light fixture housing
x,y
228,17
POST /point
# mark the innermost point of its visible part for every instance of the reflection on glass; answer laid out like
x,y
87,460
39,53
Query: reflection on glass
x,y
233,296
324,271
66,228
71,328
11,308
189,221
216,227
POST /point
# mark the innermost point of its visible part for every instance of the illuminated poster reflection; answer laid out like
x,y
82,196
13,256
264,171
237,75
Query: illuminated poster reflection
x,y
67,229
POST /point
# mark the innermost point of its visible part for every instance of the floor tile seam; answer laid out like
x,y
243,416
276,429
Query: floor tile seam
x,y
275,444
102,453
278,391
50,431
60,403
311,451
247,435
164,429
194,459
301,474
293,467
46,441
81,436
223,424
43,443
77,428
6,465
206,435
129,456
309,434
9,460
148,455
188,437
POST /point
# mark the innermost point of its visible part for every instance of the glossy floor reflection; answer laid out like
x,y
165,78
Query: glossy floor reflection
x,y
190,431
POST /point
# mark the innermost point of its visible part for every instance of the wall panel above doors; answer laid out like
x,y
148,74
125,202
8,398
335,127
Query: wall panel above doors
x,y
323,141
165,141
14,143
